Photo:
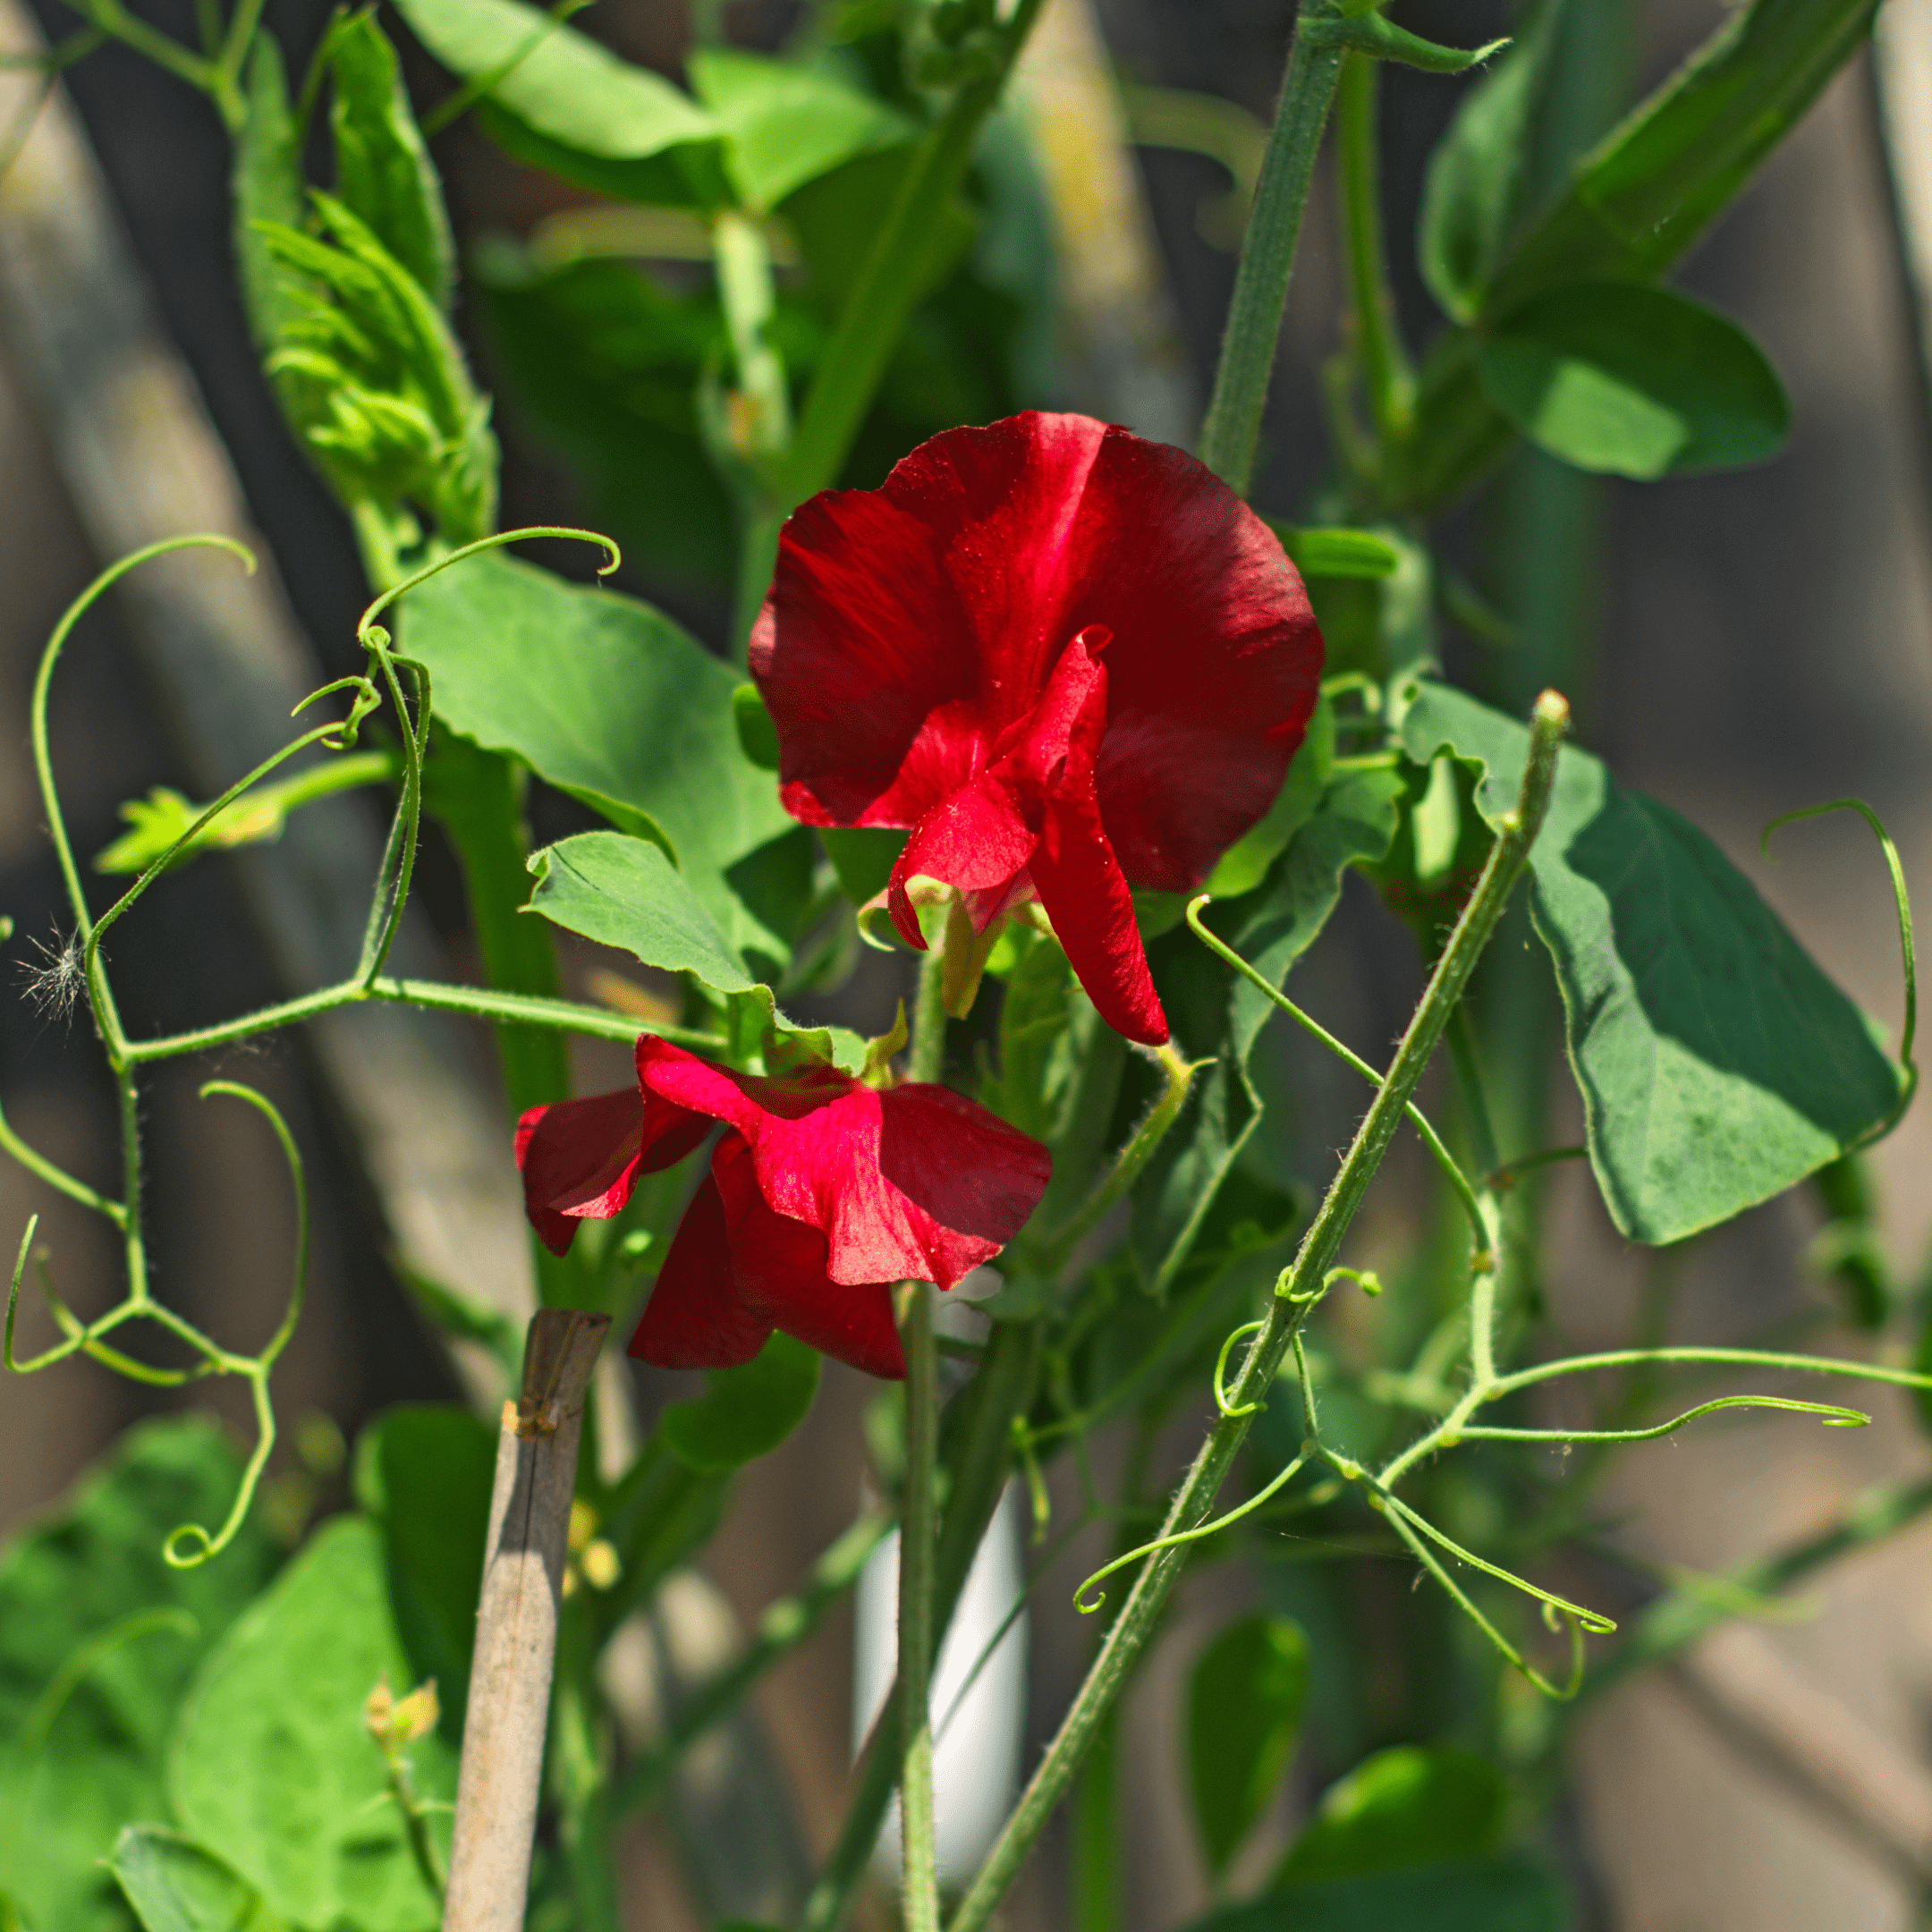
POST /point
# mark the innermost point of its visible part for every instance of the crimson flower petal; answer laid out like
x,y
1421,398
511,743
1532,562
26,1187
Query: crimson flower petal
x,y
920,655
580,1158
696,1318
779,1268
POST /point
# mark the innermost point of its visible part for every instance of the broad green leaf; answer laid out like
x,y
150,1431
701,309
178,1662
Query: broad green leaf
x,y
1489,1895
863,857
383,170
309,1824
1719,1064
836,217
1652,185
558,99
611,702
429,1468
176,1885
1243,1716
1474,173
1633,206
623,891
267,187
787,124
1213,1015
1636,382
1320,552
1406,1806
97,1637
745,1412
1245,863
758,735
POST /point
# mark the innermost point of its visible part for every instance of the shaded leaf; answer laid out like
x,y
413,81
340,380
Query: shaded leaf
x,y
176,1885
1406,1806
425,1471
1245,863
1243,1716
611,702
98,1637
787,124
1474,173
1719,1064
309,1826
1636,382
383,170
745,1412
1493,1895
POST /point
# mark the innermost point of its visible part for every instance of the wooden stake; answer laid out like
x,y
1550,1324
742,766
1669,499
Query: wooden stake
x,y
509,1709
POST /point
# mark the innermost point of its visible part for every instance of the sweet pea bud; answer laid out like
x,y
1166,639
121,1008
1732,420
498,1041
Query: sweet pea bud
x,y
395,1724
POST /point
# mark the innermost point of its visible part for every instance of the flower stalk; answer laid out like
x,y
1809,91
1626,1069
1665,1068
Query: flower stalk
x,y
1300,1286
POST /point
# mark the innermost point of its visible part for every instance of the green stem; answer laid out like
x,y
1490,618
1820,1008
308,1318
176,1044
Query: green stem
x,y
1387,375
920,1885
1300,1287
919,1867
1233,423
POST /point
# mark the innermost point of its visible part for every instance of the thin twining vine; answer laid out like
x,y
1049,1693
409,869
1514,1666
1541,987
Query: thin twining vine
x,y
79,966
1486,1384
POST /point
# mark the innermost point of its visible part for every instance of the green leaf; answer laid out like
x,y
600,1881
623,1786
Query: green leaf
x,y
267,187
623,891
745,1412
1489,1895
1638,200
611,702
863,857
1243,1716
836,217
787,124
383,170
758,736
1245,863
1475,173
427,1469
1325,552
1719,1064
559,100
1405,1806
176,1885
97,1637
1636,382
306,1822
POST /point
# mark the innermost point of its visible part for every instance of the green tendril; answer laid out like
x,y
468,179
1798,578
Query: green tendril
x,y
1835,1415
1464,1192
1183,1537
1908,1067
1221,1400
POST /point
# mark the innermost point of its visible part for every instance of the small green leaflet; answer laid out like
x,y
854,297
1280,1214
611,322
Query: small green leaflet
x,y
1503,1894
1635,382
1318,551
1405,1806
1243,1716
1719,1064
611,702
745,1412
176,1885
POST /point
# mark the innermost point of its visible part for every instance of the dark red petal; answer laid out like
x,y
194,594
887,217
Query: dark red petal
x,y
816,1140
978,840
959,1164
779,1266
695,1318
580,1158
1085,895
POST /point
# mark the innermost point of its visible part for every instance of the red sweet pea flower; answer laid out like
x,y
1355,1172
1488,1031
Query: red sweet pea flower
x,y
1071,661
822,1194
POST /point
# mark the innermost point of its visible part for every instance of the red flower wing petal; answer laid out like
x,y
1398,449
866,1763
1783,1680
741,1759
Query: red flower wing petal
x,y
963,1167
779,1268
695,1317
580,1158
1215,664
978,840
